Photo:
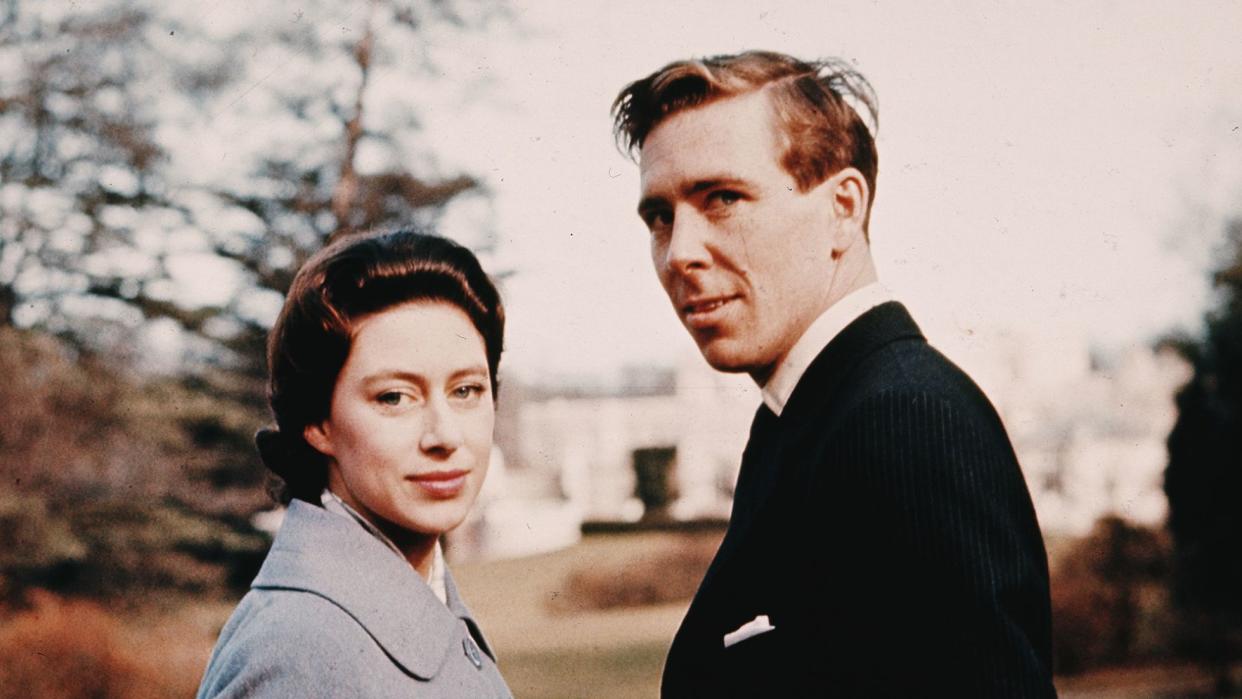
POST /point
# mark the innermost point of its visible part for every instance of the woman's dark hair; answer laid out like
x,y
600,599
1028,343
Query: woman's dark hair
x,y
337,287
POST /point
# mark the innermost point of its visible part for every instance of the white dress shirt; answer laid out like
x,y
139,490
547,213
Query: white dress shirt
x,y
822,330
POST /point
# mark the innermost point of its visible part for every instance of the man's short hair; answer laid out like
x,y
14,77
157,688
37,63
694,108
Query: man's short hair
x,y
817,104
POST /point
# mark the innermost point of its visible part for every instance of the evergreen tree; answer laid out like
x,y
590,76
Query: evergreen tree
x,y
1204,477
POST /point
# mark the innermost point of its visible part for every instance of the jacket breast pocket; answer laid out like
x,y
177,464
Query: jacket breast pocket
x,y
756,639
752,667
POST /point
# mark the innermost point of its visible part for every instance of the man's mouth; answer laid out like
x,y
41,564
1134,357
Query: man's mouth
x,y
704,311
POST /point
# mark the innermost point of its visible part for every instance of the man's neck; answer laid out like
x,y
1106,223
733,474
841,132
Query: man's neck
x,y
852,274
785,376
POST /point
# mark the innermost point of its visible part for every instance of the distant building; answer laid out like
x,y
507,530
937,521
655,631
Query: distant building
x,y
1090,433
691,421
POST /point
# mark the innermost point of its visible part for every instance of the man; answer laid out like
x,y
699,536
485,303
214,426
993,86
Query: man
x,y
882,541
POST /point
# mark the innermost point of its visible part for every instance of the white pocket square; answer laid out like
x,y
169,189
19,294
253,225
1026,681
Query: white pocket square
x,y
754,627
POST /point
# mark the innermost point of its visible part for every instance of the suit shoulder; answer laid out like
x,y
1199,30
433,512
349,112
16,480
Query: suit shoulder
x,y
914,377
915,365
909,412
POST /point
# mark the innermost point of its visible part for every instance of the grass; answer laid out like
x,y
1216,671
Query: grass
x,y
554,642
526,605
627,672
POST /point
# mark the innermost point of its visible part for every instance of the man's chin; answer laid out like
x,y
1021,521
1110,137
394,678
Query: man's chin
x,y
726,359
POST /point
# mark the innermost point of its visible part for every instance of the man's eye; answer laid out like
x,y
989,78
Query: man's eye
x,y
658,219
724,196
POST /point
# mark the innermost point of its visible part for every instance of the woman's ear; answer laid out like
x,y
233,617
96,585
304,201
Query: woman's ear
x,y
316,435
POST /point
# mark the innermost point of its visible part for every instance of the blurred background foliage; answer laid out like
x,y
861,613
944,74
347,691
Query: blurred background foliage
x,y
129,403
127,472
126,464
1204,478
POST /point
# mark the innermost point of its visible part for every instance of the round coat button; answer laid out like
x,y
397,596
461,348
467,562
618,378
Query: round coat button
x,y
472,652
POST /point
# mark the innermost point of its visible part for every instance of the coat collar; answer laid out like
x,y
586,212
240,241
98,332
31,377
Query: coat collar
x,y
883,324
328,555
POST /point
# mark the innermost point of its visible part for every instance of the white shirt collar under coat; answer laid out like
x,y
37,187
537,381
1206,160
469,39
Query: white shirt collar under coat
x,y
822,330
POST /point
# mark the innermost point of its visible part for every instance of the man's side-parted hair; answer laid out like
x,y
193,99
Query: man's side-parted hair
x,y
336,288
814,102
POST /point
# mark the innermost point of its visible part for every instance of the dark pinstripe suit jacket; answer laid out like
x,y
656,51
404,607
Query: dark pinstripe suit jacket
x,y
883,526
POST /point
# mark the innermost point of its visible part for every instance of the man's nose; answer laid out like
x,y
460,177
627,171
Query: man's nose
x,y
442,432
688,243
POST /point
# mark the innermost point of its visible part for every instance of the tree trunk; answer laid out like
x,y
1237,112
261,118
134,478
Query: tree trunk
x,y
347,183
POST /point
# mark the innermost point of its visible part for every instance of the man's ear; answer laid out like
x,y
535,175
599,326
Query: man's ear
x,y
850,194
316,435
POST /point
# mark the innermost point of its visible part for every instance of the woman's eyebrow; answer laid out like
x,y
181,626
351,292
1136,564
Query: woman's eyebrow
x,y
401,374
476,370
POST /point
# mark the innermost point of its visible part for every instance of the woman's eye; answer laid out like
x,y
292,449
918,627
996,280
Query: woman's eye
x,y
468,391
391,398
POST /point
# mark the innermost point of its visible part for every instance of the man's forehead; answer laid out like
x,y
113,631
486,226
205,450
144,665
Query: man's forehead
x,y
716,139
752,111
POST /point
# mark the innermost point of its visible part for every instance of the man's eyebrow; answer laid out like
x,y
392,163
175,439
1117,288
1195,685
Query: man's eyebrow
x,y
704,185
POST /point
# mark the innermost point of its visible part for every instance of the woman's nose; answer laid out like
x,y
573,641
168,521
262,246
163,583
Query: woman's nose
x,y
441,429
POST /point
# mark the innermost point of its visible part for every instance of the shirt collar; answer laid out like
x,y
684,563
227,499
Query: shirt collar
x,y
822,330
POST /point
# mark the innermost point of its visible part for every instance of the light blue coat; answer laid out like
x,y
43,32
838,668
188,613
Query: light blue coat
x,y
335,613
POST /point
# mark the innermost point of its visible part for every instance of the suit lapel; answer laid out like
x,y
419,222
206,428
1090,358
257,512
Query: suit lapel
x,y
755,477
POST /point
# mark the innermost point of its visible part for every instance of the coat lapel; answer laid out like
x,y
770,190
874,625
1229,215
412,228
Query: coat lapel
x,y
327,555
459,609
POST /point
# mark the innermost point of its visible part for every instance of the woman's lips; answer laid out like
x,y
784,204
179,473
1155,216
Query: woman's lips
x,y
441,484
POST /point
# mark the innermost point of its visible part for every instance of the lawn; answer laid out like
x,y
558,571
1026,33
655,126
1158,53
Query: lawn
x,y
552,643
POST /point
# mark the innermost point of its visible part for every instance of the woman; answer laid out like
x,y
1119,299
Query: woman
x,y
383,381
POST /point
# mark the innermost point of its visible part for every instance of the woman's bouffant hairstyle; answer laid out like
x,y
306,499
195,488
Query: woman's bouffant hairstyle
x,y
337,287
818,107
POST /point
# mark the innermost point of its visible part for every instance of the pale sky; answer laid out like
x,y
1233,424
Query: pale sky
x,y
1057,171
